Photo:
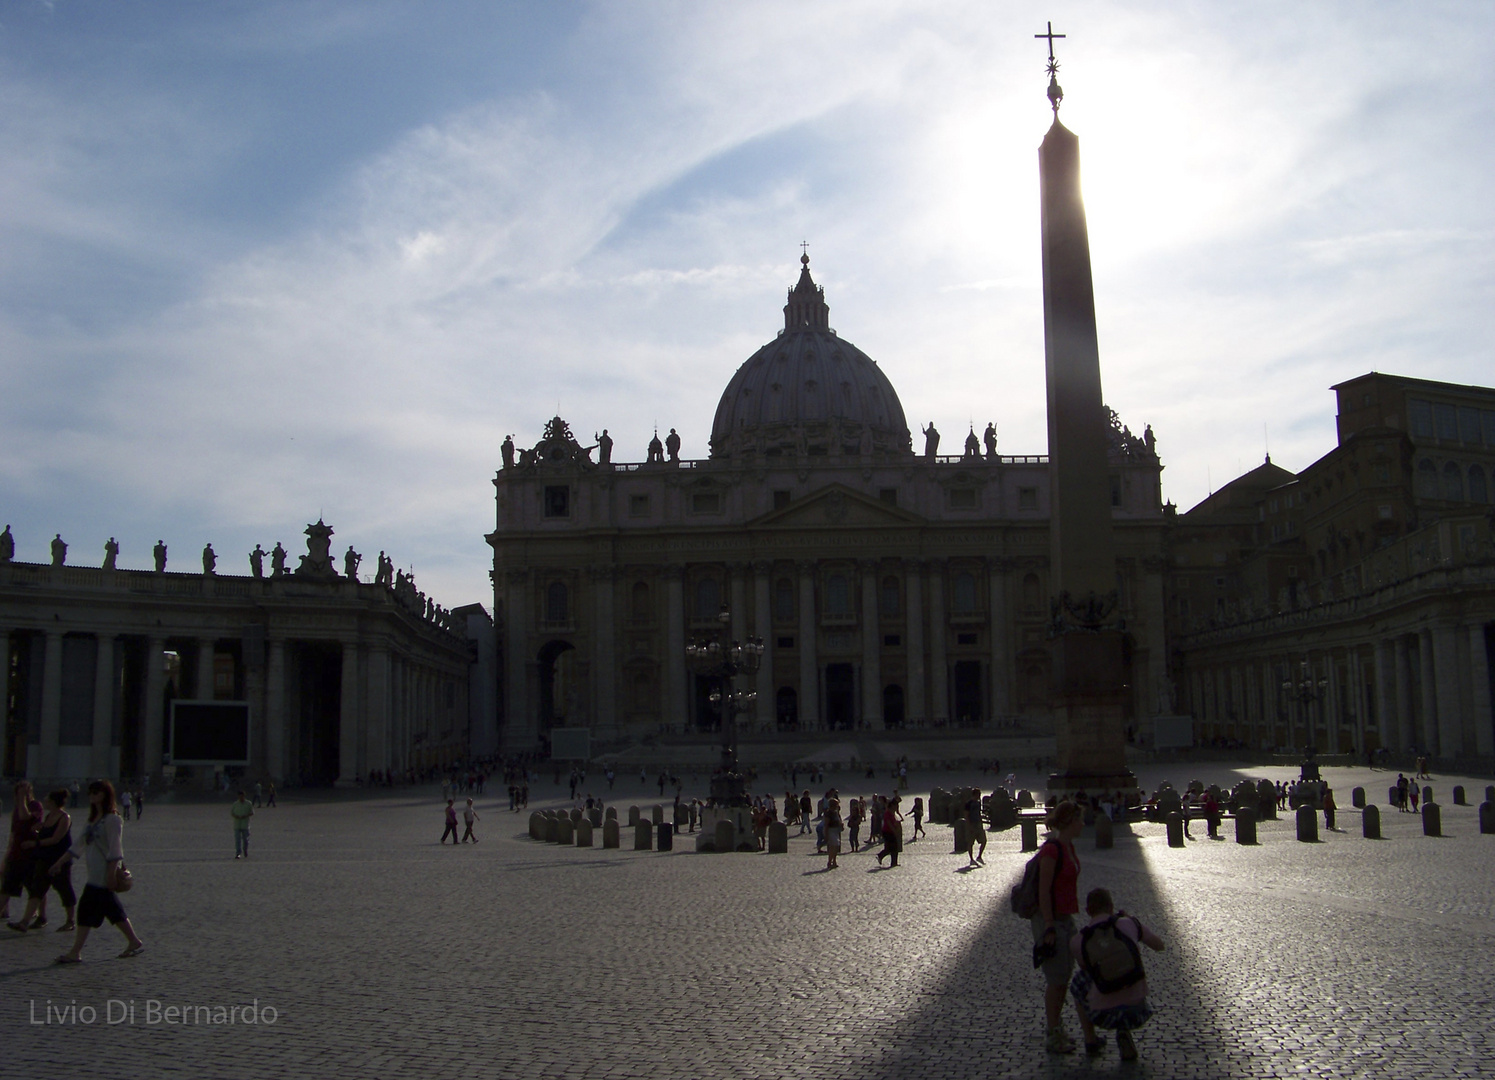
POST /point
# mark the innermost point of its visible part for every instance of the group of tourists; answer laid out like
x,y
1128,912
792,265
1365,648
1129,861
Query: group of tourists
x,y
39,859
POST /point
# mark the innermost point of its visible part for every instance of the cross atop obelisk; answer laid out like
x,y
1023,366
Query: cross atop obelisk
x,y
1056,92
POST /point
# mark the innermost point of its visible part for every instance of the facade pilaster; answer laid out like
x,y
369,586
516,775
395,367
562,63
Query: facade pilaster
x,y
1479,678
872,714
376,714
913,579
1001,641
1427,738
1446,667
104,692
44,762
520,726
809,665
349,765
1385,671
763,627
675,703
604,649
275,709
152,713
939,666
203,691
1405,713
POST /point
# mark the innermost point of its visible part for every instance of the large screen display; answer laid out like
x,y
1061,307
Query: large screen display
x,y
209,733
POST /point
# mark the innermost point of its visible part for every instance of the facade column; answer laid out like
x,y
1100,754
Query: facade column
x,y
809,665
43,763
1150,606
349,766
151,749
604,650
104,693
378,697
1386,707
519,732
675,703
1428,736
763,628
913,582
1446,667
1402,677
1479,677
203,691
275,709
872,714
939,667
1333,704
4,685
1001,641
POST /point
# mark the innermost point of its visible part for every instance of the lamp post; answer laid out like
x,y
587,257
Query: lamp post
x,y
709,658
1306,690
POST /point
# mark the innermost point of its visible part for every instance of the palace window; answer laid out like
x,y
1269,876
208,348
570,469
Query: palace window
x,y
708,598
638,506
1030,592
557,602
706,502
1478,493
557,501
1447,419
643,610
837,595
890,597
1422,418
1427,479
783,600
1469,424
962,499
1453,482
1027,498
780,500
963,594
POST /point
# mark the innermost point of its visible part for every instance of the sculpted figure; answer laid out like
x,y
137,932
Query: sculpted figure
x,y
973,444
508,451
59,550
7,546
931,441
656,451
604,448
350,564
111,552
381,577
209,560
257,561
159,551
864,445
990,438
1149,440
277,560
672,444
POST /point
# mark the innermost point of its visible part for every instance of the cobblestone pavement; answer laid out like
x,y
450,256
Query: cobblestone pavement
x,y
385,954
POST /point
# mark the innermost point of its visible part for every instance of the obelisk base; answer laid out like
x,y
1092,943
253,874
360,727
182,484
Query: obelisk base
x,y
1089,707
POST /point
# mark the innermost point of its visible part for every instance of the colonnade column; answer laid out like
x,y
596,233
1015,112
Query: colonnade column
x,y
1402,681
809,666
1428,737
871,648
348,764
1386,718
1001,642
1333,704
104,691
1479,675
519,724
150,714
275,709
913,577
1446,666
4,681
44,762
604,650
203,691
763,628
376,755
939,672
675,712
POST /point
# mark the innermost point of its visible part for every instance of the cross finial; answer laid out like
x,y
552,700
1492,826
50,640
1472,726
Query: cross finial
x,y
1051,36
1056,92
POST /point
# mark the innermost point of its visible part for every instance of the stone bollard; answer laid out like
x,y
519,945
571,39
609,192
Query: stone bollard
x,y
1308,824
1088,815
1432,819
1357,798
1370,823
565,832
962,834
1245,825
1487,817
1266,809
1391,796
536,826
1175,829
632,816
1030,834
656,814
575,814
1458,795
682,816
778,838
1490,793
552,829
612,813
584,833
1427,794
610,833
726,835
643,836
664,836
1105,835
1025,799
594,817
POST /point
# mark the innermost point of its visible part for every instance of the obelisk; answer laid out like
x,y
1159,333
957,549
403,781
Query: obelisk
x,y
1088,678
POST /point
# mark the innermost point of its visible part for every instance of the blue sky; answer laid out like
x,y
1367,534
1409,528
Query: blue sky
x,y
261,262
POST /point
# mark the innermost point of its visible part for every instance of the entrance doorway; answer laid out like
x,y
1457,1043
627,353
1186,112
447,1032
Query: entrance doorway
x,y
840,697
968,693
892,706
319,675
555,683
786,708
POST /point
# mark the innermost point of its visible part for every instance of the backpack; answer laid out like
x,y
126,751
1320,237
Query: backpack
x,y
1025,892
1109,957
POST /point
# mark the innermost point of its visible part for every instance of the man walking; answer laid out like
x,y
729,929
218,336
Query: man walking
x,y
241,811
469,815
258,793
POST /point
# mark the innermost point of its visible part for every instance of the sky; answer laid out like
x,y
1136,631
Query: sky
x,y
267,262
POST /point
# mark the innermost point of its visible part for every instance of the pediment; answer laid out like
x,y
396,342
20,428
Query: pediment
x,y
837,506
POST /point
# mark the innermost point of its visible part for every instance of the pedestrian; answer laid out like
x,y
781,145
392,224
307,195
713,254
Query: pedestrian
x,y
975,830
451,822
259,793
1054,924
806,808
832,832
51,866
1412,794
892,833
270,795
124,804
918,819
1211,815
25,818
241,811
1329,809
1111,986
854,822
610,777
1401,792
469,815
140,801
104,852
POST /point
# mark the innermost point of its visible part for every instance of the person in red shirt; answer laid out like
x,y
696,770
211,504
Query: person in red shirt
x,y
1054,925
25,817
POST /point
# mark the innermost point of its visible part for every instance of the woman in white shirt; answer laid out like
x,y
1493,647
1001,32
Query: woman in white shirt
x,y
103,846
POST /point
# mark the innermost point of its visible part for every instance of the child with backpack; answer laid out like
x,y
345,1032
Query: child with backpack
x,y
1110,986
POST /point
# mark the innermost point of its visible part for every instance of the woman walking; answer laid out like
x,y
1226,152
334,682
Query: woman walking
x,y
51,866
892,833
832,832
104,849
1054,925
918,820
25,816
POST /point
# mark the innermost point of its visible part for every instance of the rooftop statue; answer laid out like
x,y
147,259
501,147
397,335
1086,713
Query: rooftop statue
x,y
209,559
111,553
604,448
278,560
59,550
159,552
508,451
7,546
385,575
990,438
257,561
672,445
350,564
931,441
317,562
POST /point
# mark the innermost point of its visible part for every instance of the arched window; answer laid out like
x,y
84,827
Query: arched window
x,y
1030,592
783,600
708,598
890,596
837,595
1453,482
1427,479
1478,492
963,596
642,610
557,602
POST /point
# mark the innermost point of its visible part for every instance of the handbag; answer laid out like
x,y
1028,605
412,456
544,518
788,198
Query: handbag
x,y
124,881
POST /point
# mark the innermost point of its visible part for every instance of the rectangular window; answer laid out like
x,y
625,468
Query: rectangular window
x,y
965,639
1384,513
786,643
962,499
1027,498
780,499
706,502
638,506
888,495
892,639
557,502
1469,424
1447,419
1422,418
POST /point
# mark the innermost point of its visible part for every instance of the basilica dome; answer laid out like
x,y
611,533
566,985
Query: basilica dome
x,y
808,392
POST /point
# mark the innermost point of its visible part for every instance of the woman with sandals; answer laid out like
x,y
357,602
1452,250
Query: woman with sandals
x,y
105,855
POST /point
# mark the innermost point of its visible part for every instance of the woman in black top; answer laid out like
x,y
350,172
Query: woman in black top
x,y
51,866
